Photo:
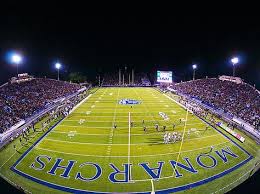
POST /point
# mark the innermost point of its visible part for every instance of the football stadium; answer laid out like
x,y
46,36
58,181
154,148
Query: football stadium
x,y
131,137
114,104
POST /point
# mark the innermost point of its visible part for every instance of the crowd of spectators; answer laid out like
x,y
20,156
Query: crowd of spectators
x,y
141,79
19,101
241,100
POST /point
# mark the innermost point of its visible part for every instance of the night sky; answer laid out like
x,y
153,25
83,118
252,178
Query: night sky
x,y
101,43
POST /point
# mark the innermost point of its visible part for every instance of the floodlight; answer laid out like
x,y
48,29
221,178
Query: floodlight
x,y
16,58
57,65
194,66
234,60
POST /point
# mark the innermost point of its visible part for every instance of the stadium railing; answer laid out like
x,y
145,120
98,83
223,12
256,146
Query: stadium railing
x,y
8,136
245,127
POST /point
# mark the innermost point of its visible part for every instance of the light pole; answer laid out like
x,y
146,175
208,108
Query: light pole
x,y
234,61
16,59
194,67
58,66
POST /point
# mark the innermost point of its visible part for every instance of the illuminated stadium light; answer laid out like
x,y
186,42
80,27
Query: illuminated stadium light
x,y
234,61
194,66
16,59
58,67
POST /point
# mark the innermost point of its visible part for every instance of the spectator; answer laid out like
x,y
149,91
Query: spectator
x,y
239,100
21,100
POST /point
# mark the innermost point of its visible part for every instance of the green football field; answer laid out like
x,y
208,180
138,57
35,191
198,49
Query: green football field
x,y
86,153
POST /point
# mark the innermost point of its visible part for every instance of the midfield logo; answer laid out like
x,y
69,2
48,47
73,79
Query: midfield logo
x,y
204,161
129,101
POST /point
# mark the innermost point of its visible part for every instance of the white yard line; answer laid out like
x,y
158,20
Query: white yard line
x,y
123,112
139,156
153,192
129,142
100,121
111,116
106,134
83,115
184,128
86,127
124,144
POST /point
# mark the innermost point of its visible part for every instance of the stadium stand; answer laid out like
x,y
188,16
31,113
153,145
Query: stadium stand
x,y
240,100
110,80
19,101
140,79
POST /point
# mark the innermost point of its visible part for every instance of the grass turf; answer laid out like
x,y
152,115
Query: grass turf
x,y
88,135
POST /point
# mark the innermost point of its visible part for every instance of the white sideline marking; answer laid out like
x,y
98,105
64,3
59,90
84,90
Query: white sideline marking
x,y
112,108
240,177
177,102
10,157
80,103
52,129
112,127
153,155
12,183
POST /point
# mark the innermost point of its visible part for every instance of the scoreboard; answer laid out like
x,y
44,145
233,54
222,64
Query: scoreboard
x,y
164,76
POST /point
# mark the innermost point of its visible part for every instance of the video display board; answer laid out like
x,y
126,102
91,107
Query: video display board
x,y
164,76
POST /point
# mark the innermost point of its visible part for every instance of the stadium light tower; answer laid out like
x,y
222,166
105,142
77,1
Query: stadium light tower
x,y
234,61
16,59
194,67
58,66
